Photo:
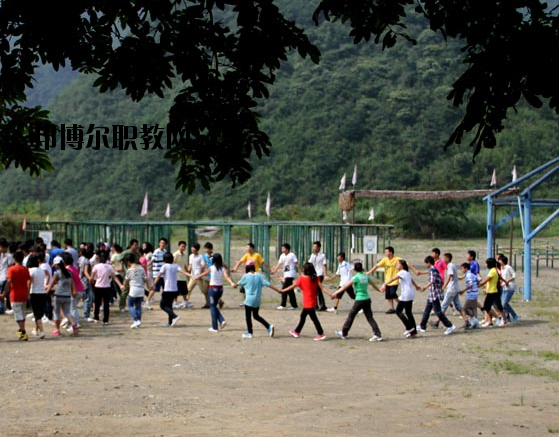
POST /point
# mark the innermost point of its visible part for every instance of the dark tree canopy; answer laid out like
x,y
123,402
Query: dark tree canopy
x,y
226,53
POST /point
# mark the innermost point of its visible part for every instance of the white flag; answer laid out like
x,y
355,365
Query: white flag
x,y
249,209
168,211
372,214
342,183
493,179
24,224
344,215
514,174
268,205
145,206
354,178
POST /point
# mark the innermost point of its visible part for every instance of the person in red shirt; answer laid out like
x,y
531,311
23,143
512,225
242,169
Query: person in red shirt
x,y
308,282
17,285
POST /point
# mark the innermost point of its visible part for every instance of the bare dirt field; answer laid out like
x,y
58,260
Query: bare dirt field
x,y
158,381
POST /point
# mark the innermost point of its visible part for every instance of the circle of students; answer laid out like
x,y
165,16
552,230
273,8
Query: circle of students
x,y
53,284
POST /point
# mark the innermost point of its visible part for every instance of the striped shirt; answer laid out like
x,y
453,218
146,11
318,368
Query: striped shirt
x,y
157,261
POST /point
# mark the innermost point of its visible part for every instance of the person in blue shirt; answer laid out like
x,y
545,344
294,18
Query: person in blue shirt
x,y
55,251
253,283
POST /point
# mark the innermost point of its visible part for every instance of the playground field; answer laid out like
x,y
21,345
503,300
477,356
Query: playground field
x,y
158,381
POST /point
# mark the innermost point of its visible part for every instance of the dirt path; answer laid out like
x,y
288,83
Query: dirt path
x,y
179,381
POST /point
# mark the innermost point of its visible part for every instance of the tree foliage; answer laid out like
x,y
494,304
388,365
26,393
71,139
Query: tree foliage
x,y
224,54
141,47
502,40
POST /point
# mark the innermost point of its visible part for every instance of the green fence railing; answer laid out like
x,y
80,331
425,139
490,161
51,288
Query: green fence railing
x,y
266,236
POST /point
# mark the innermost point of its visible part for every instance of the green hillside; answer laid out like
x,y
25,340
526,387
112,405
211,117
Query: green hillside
x,y
384,111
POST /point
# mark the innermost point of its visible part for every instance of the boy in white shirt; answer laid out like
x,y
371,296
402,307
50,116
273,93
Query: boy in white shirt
x,y
345,272
196,265
318,260
289,263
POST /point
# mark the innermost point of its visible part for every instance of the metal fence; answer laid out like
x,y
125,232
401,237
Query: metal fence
x,y
267,236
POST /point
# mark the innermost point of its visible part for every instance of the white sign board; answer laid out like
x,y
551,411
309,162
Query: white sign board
x,y
370,244
47,237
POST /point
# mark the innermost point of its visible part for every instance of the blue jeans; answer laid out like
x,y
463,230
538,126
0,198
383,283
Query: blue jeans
x,y
435,306
88,299
135,307
2,305
74,306
214,294
506,296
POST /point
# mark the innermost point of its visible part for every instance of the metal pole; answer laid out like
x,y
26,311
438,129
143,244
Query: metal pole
x,y
490,239
511,235
527,248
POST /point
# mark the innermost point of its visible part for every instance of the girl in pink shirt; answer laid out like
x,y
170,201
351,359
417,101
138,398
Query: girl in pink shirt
x,y
101,275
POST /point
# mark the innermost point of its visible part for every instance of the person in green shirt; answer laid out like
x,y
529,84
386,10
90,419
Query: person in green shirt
x,y
360,282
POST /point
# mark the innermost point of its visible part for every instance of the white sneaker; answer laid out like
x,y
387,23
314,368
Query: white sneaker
x,y
247,335
64,322
375,338
213,330
360,312
450,330
70,330
90,320
135,325
41,335
34,333
176,306
45,319
9,311
222,324
419,329
280,308
175,320
332,310
339,334
188,304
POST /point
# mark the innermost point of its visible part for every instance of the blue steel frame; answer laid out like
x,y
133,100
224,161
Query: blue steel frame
x,y
524,202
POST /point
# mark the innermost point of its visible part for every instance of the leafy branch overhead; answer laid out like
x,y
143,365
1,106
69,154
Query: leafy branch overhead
x,y
225,55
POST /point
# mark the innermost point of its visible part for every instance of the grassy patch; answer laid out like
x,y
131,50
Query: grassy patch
x,y
521,352
548,355
515,368
552,316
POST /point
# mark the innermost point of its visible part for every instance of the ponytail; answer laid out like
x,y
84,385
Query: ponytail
x,y
63,270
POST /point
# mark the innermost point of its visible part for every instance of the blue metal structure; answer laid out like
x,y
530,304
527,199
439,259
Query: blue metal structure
x,y
523,200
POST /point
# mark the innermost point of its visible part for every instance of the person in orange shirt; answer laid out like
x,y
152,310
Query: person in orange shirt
x,y
17,285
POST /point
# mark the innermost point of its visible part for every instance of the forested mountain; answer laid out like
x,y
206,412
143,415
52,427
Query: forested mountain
x,y
385,111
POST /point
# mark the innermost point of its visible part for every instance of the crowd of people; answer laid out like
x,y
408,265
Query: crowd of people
x,y
55,283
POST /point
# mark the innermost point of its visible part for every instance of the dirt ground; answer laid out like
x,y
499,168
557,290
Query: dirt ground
x,y
158,381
